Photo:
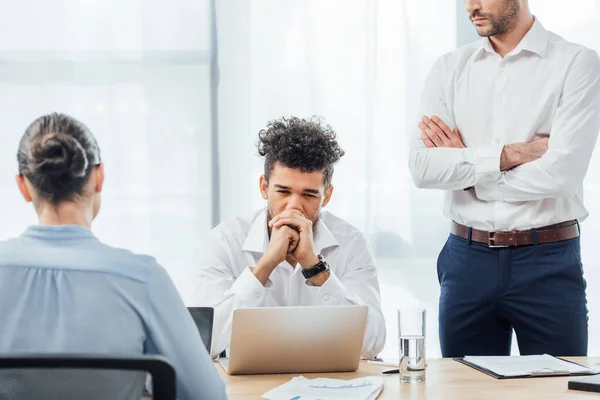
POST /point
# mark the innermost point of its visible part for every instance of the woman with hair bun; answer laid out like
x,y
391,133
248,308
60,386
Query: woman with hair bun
x,y
64,291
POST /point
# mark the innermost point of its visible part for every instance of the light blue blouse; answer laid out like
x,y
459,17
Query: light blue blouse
x,y
63,291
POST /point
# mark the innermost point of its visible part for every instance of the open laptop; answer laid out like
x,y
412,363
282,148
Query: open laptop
x,y
277,340
203,317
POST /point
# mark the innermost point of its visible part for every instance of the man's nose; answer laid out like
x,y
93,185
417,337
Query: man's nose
x,y
294,203
472,5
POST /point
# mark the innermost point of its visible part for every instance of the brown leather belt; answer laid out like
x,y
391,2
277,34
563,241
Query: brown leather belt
x,y
547,234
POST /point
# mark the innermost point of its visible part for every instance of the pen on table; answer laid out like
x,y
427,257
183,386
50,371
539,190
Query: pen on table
x,y
391,371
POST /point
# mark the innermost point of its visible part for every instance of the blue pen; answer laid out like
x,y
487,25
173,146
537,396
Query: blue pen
x,y
295,397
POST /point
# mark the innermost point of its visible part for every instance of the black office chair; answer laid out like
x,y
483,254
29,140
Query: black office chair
x,y
83,376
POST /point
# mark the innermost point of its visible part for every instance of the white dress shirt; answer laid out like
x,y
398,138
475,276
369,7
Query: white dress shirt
x,y
546,86
226,282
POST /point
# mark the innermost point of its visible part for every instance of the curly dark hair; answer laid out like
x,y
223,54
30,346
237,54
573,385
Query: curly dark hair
x,y
300,143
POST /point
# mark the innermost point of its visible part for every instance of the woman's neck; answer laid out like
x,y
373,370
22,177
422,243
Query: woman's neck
x,y
65,213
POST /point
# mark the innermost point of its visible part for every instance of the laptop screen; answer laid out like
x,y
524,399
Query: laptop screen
x,y
203,317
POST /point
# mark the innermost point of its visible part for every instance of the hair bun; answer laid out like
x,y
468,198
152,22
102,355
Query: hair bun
x,y
58,154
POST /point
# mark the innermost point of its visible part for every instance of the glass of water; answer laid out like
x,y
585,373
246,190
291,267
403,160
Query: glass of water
x,y
411,338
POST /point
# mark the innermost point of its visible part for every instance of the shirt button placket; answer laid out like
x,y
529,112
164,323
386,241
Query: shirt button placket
x,y
497,102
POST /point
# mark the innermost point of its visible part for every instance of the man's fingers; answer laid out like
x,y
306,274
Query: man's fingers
x,y
456,134
440,133
292,247
280,223
442,125
457,138
293,237
274,220
287,233
427,141
431,135
288,214
435,128
291,212
291,222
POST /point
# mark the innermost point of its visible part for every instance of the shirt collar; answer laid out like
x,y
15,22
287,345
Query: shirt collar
x,y
486,47
58,232
535,41
258,235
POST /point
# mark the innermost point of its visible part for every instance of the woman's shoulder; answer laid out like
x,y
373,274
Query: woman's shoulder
x,y
80,255
128,263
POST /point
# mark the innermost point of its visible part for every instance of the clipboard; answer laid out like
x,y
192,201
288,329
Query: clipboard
x,y
535,374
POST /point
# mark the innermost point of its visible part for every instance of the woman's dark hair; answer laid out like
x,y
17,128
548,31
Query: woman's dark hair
x,y
300,143
57,154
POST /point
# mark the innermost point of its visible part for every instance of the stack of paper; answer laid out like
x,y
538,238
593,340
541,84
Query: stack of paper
x,y
300,388
527,365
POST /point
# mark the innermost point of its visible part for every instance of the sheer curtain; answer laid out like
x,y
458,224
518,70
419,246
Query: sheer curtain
x,y
360,64
136,73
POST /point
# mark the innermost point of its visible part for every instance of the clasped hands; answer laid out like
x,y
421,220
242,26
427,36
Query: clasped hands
x,y
292,236
291,239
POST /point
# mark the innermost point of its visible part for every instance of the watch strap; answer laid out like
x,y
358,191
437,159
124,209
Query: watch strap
x,y
317,269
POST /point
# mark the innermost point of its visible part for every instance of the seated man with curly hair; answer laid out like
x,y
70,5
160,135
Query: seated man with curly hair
x,y
258,260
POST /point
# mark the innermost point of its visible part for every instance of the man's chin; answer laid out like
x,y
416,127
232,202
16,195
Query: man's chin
x,y
485,31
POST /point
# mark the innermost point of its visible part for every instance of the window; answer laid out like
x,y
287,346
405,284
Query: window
x,y
138,74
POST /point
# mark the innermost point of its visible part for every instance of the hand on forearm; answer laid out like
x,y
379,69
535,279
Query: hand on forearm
x,y
436,133
510,157
517,154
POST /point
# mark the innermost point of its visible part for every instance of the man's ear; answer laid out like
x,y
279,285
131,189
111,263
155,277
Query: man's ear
x,y
99,175
264,187
22,184
327,197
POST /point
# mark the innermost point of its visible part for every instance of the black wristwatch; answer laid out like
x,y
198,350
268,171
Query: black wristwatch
x,y
317,269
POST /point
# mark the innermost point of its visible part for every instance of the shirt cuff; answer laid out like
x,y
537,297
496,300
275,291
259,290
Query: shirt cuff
x,y
248,288
487,162
332,292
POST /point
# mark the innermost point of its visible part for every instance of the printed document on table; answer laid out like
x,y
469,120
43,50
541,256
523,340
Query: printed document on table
x,y
301,388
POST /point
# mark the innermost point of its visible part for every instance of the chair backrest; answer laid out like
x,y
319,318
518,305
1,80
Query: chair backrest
x,y
84,376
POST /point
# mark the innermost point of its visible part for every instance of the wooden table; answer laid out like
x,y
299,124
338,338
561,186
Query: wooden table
x,y
446,380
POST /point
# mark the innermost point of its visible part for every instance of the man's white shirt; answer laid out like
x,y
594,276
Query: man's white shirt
x,y
546,86
225,280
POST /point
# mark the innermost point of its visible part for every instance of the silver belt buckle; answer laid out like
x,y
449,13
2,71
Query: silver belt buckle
x,y
491,244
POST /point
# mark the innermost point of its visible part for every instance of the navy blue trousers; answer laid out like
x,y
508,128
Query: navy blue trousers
x,y
537,290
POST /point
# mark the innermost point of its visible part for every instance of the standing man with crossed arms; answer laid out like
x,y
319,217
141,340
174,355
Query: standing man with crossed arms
x,y
508,127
